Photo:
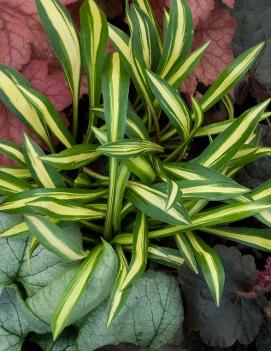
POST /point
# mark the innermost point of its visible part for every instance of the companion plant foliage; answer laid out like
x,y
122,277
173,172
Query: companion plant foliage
x,y
154,200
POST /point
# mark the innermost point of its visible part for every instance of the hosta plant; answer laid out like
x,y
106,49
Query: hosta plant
x,y
153,199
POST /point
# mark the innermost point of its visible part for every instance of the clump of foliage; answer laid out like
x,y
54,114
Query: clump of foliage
x,y
150,201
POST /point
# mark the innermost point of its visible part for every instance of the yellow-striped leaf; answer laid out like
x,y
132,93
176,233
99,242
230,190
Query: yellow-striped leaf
x,y
54,239
178,36
232,139
73,292
219,215
16,230
193,172
139,251
129,148
165,255
181,69
94,38
144,36
172,104
173,194
259,238
227,102
219,127
210,264
73,158
120,41
33,108
206,189
45,175
118,296
146,8
141,167
12,151
63,36
10,184
230,76
153,203
17,203
123,176
186,251
247,154
61,209
13,88
115,95
21,173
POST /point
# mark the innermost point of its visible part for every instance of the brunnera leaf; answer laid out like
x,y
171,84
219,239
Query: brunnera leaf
x,y
156,296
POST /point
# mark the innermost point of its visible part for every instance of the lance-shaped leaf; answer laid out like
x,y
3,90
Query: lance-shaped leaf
x,y
66,211
21,173
137,68
262,192
94,38
230,76
16,230
13,151
186,251
197,116
232,139
141,168
17,203
165,255
33,108
211,266
133,61
247,154
115,95
12,95
73,292
173,194
44,174
227,102
75,157
146,8
120,41
219,215
145,37
123,176
153,203
118,296
219,127
64,38
258,238
53,238
10,184
192,171
139,251
171,103
181,69
178,36
206,189
129,148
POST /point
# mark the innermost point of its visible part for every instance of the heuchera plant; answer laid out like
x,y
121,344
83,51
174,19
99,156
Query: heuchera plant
x,y
153,189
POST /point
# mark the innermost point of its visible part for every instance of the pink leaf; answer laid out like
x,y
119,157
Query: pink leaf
x,y
219,28
51,83
11,129
201,9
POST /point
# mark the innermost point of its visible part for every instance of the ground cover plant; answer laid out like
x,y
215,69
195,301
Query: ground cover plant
x,y
85,217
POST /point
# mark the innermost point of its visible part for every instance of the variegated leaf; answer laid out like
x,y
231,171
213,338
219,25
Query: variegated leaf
x,y
53,238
